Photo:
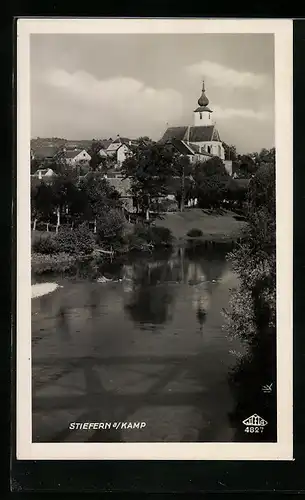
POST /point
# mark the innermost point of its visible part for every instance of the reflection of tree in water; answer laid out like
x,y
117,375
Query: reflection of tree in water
x,y
201,317
152,297
62,326
252,372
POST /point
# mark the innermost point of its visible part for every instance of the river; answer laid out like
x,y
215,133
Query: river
x,y
147,346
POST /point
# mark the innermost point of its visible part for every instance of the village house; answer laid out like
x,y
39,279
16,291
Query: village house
x,y
76,157
119,149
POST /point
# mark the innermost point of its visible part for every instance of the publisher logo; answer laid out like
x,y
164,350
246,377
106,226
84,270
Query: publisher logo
x,y
255,420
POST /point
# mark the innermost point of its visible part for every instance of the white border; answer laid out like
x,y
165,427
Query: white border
x,y
282,450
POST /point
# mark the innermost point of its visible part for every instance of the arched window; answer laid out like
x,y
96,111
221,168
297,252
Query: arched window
x,y
209,149
200,116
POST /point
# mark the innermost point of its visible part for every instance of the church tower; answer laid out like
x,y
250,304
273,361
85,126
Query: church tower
x,y
203,114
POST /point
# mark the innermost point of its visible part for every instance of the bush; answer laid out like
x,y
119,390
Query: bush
x,y
161,236
59,263
194,233
67,241
158,236
85,241
110,226
45,244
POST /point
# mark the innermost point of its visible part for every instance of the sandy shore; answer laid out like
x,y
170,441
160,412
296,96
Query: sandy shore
x,y
40,289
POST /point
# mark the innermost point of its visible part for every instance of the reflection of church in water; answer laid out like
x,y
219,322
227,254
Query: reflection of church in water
x,y
177,269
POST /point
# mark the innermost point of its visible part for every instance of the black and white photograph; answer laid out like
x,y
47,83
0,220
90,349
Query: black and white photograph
x,y
154,246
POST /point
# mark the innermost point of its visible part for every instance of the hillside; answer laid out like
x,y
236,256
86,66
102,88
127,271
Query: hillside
x,y
40,142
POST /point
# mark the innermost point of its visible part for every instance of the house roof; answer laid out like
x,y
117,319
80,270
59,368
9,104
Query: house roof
x,y
123,140
46,151
114,146
44,171
105,143
73,153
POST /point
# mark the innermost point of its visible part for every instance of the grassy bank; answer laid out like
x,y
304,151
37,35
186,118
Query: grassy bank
x,y
216,226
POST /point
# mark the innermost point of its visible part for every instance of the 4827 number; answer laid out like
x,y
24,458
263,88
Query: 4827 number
x,y
254,430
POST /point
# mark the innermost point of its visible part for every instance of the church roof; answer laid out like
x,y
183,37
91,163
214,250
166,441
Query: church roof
x,y
203,109
201,134
196,134
174,133
203,101
182,147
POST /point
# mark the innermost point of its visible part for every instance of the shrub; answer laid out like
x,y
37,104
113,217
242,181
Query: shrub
x,y
45,244
67,241
110,226
194,233
58,263
137,242
157,235
161,236
85,241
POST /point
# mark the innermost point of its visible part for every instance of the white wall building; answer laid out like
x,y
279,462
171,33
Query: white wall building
x,y
77,157
203,133
119,149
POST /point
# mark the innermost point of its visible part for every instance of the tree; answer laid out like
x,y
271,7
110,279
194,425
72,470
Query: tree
x,y
246,166
149,166
41,201
109,227
211,179
64,192
230,152
264,157
96,158
99,195
252,313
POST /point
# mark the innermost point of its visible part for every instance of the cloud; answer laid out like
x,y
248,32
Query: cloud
x,y
229,113
116,104
223,76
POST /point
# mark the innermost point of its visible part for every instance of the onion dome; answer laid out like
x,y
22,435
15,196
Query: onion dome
x,y
203,100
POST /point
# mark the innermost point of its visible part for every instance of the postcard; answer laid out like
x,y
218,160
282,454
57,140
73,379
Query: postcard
x,y
154,239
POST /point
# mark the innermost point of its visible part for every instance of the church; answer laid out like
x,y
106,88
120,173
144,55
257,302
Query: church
x,y
202,137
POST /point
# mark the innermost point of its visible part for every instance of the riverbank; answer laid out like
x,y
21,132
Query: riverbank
x,y
221,228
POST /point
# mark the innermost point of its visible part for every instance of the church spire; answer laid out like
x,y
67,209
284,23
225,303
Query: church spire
x,y
203,100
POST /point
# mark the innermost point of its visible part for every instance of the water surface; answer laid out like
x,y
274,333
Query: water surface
x,y
147,346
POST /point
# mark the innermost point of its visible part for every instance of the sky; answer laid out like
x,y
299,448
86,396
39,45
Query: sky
x,y
99,86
